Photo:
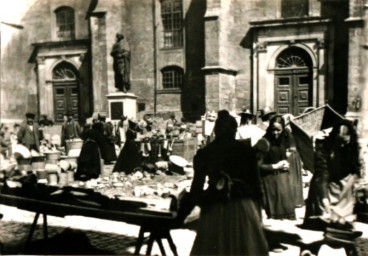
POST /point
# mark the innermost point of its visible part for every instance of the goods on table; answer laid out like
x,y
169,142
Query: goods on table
x,y
21,151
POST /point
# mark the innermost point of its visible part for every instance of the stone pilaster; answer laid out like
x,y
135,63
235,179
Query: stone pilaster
x,y
98,60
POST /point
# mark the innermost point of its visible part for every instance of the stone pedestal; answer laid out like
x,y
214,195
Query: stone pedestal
x,y
121,103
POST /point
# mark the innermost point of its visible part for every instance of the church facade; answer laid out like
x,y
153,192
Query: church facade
x,y
187,56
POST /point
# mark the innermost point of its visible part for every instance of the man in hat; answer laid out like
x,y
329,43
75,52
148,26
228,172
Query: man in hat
x,y
70,129
266,114
246,131
28,133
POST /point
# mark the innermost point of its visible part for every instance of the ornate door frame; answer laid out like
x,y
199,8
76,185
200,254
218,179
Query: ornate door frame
x,y
293,81
265,70
65,91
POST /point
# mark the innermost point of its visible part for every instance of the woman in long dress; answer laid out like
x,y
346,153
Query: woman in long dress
x,y
278,200
230,222
337,167
129,158
89,160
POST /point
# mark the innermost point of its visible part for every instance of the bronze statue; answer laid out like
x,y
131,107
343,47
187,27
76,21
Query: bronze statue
x,y
121,64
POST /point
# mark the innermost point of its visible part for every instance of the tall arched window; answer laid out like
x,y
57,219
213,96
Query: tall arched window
x,y
172,21
172,77
294,8
65,23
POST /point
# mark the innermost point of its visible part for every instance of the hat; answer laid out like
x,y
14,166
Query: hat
x,y
69,113
245,111
119,35
30,115
267,111
101,117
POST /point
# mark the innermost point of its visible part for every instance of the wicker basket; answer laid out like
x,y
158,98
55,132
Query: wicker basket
x,y
73,144
38,162
305,126
54,155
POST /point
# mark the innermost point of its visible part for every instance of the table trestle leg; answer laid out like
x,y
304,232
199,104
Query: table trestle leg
x,y
33,227
139,242
45,233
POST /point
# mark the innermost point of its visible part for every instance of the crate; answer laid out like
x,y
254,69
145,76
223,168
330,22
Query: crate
x,y
186,149
305,126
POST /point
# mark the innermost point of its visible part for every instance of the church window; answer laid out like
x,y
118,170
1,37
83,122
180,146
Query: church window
x,y
65,23
294,8
293,57
172,21
172,77
64,71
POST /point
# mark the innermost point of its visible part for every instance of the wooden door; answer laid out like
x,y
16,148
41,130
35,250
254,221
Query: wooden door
x,y
66,99
293,91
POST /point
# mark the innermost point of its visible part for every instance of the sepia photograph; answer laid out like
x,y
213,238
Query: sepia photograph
x,y
184,127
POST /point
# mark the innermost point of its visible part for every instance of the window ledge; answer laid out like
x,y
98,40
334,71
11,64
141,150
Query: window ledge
x,y
169,91
177,48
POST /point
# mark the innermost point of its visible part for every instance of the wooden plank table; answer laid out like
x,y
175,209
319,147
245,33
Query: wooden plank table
x,y
157,225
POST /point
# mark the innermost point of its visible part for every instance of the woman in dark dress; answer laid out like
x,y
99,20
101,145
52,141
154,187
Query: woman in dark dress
x,y
229,223
278,193
337,167
108,154
89,160
129,157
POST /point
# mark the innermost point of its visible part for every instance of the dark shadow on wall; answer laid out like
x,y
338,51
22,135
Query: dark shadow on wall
x,y
339,11
85,85
193,95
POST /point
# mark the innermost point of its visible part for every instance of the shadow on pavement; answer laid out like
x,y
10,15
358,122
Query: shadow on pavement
x,y
62,240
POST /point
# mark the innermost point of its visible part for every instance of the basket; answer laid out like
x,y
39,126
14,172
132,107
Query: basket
x,y
38,162
24,164
54,155
73,144
305,126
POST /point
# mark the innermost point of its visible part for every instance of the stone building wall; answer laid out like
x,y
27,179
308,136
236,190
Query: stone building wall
x,y
356,57
19,92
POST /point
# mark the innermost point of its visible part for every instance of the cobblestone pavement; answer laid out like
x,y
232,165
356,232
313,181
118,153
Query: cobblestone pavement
x,y
119,238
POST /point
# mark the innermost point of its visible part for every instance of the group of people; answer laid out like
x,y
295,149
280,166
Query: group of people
x,y
248,168
245,176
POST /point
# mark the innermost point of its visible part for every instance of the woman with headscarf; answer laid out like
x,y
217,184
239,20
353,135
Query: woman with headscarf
x,y
89,160
129,158
278,196
229,223
337,167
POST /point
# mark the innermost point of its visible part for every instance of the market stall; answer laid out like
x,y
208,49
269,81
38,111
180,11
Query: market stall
x,y
134,199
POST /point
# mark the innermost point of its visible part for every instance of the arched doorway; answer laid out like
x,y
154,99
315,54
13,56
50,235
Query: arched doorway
x,y
65,91
293,81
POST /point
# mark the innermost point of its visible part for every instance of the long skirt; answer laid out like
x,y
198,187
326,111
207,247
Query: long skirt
x,y
232,228
295,176
278,196
341,196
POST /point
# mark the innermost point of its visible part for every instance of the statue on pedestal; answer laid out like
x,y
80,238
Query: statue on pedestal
x,y
121,65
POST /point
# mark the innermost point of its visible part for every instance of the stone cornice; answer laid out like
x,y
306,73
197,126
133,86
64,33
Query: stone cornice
x,y
121,95
63,45
351,20
288,22
219,69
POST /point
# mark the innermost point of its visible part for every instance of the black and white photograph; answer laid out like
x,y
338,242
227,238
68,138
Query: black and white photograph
x,y
184,127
